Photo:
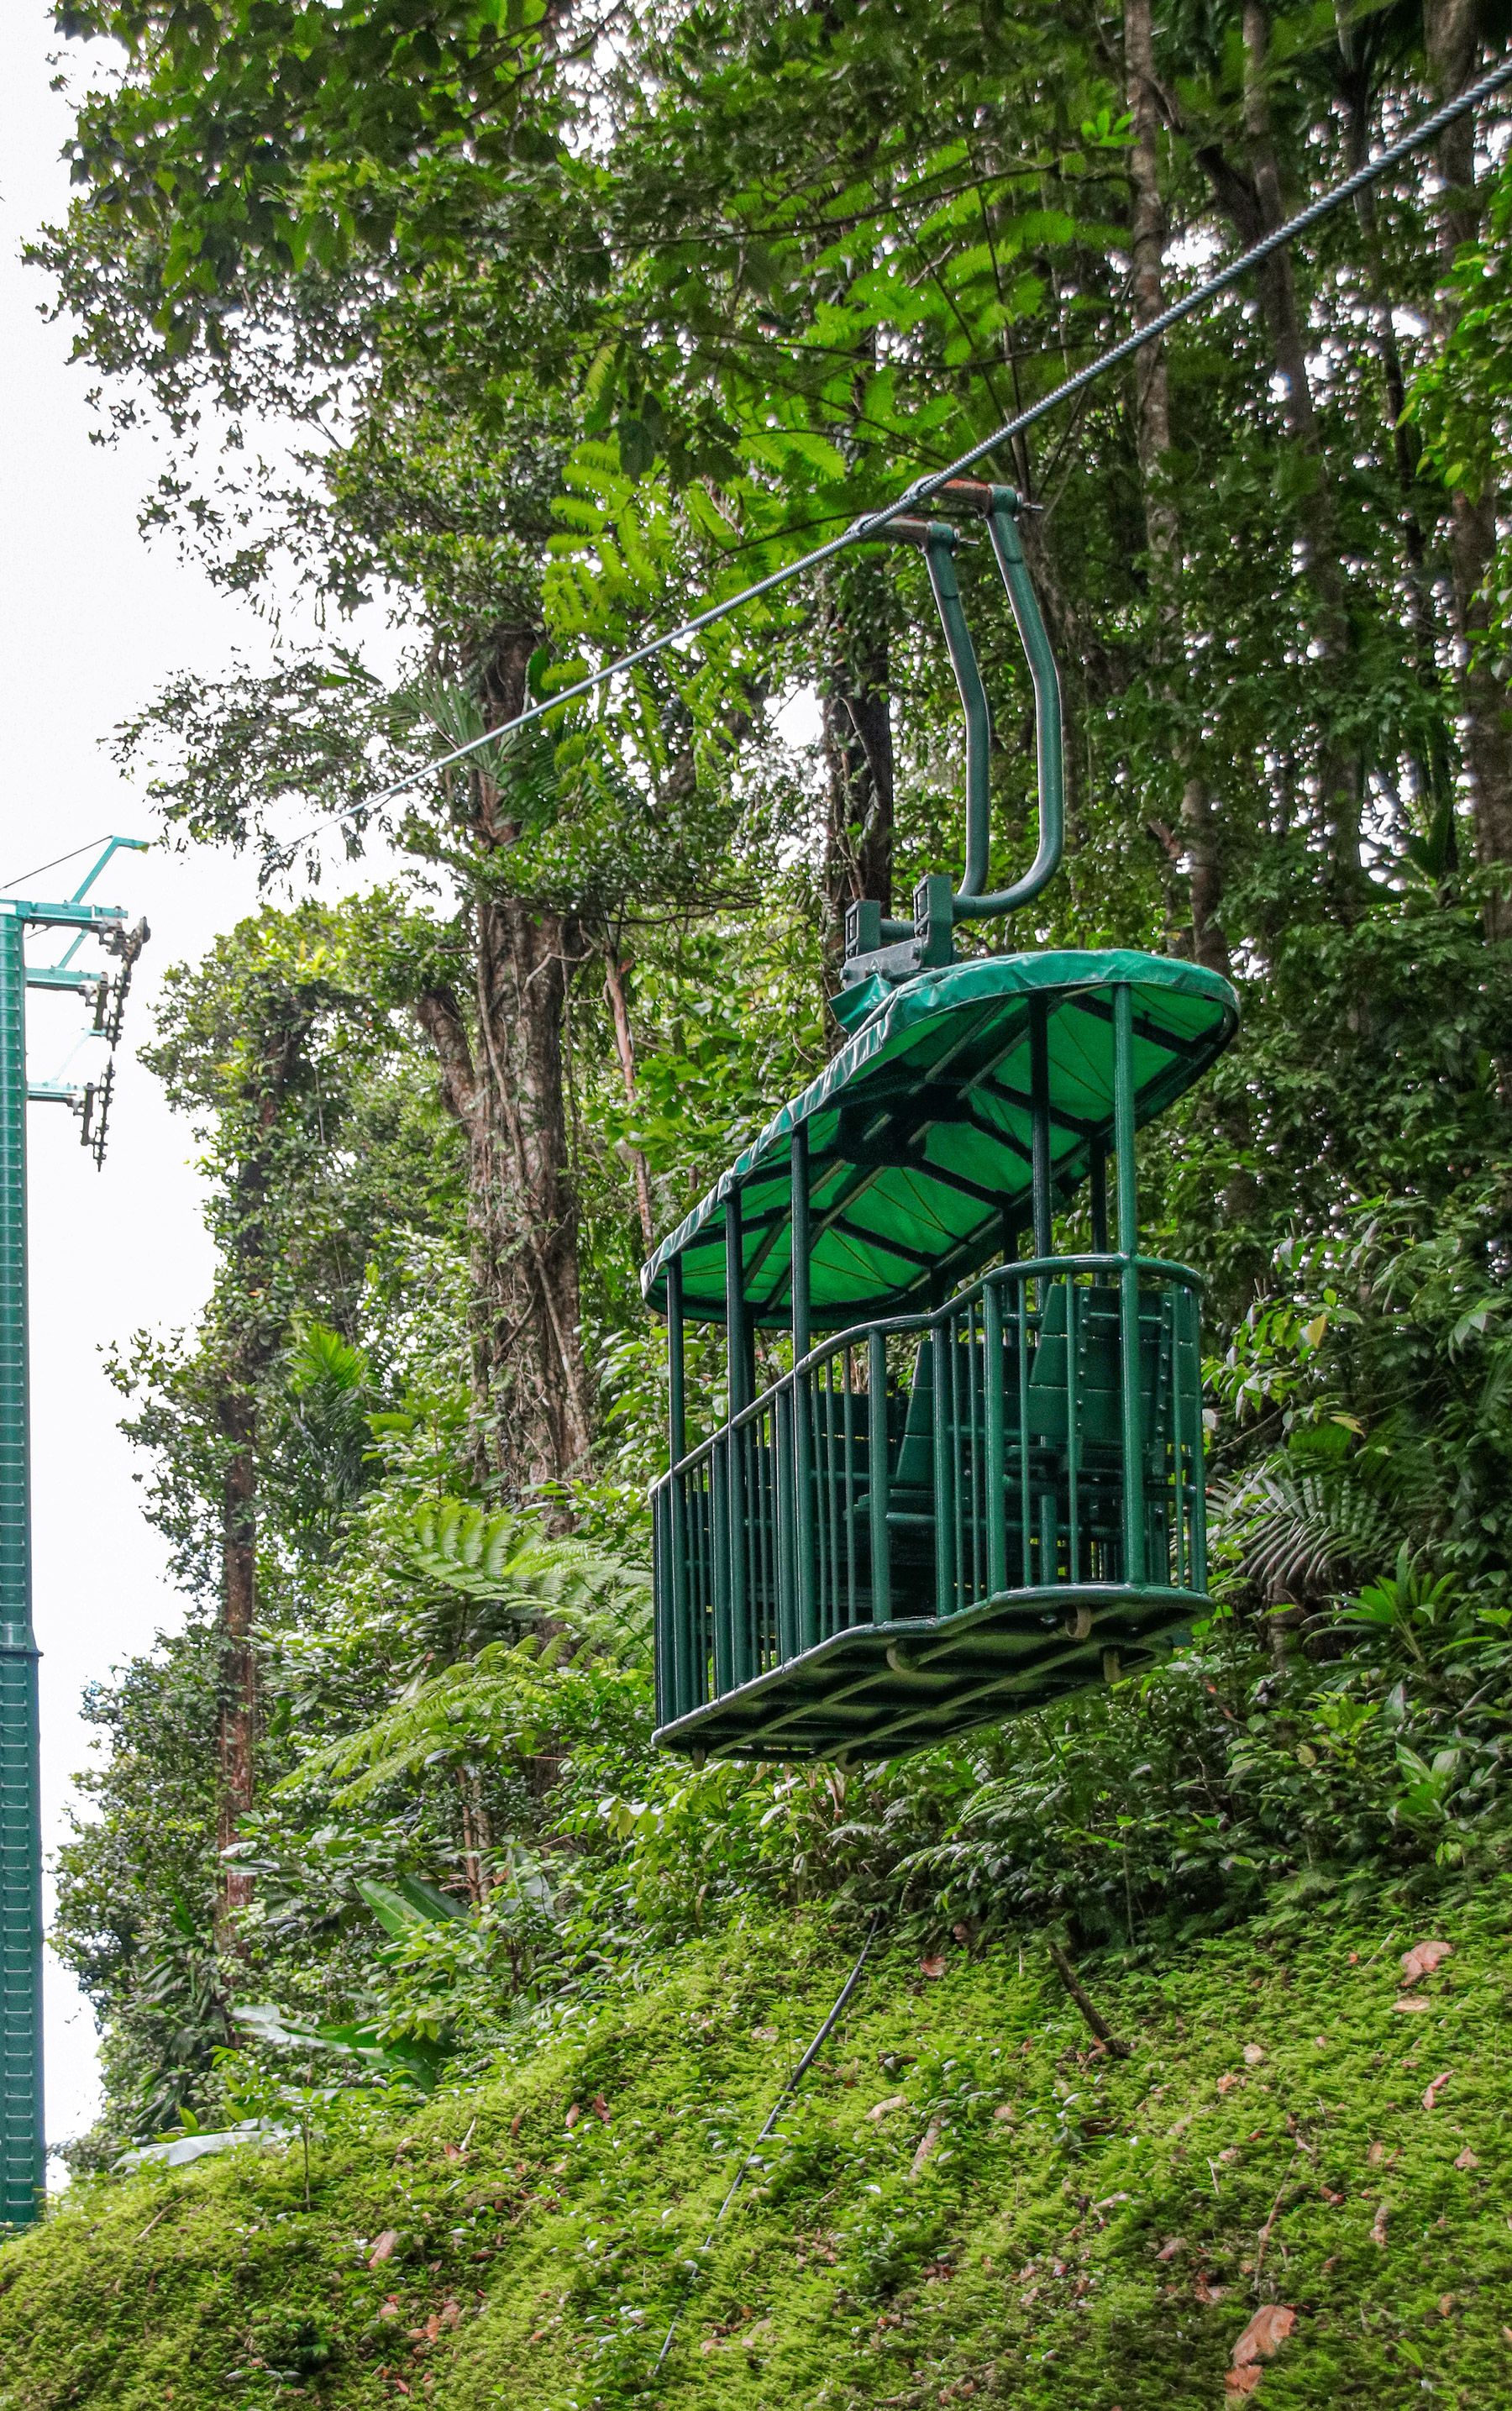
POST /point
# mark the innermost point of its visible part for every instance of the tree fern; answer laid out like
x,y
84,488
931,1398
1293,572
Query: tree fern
x,y
506,1561
504,1702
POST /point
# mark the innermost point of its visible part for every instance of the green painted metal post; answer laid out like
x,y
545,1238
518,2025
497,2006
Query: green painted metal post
x,y
993,1386
22,2148
1044,1237
1098,1182
1128,1248
946,1441
737,1333
676,1370
880,1477
1042,1195
680,1673
803,1396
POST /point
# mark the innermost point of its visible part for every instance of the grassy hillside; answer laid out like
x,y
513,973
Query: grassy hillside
x,y
965,2202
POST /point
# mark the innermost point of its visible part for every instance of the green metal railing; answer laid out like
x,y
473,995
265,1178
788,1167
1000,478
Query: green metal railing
x,y
20,1847
1038,1440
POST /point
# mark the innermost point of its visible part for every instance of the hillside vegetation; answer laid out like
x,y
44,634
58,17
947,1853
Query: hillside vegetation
x,y
964,2202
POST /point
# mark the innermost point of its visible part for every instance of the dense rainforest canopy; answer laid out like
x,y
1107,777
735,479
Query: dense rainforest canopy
x,y
532,323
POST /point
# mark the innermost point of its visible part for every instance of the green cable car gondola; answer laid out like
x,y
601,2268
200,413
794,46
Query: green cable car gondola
x,y
984,1486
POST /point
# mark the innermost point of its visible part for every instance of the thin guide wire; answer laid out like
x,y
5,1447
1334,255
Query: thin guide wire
x,y
783,2098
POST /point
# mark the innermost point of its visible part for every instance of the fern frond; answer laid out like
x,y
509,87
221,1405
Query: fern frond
x,y
1301,1535
508,1561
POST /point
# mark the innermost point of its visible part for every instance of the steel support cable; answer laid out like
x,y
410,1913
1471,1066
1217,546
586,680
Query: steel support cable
x,y
24,877
789,2089
874,523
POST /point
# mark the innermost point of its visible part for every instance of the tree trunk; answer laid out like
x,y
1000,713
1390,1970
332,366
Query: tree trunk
x,y
1451,30
1432,775
1252,199
477,1837
1198,847
502,1076
532,1406
252,1346
615,976
858,754
1148,235
238,1705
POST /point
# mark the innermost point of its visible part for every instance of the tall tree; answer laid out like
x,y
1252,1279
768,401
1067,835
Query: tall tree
x,y
1456,33
1197,844
265,1045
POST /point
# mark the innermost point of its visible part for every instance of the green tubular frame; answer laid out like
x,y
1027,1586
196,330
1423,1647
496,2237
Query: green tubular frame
x,y
21,2150
969,903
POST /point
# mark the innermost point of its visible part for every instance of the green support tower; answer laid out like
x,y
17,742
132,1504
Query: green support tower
x,y
22,2144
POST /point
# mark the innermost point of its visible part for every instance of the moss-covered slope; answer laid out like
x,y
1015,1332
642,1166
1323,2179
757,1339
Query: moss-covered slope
x,y
965,2202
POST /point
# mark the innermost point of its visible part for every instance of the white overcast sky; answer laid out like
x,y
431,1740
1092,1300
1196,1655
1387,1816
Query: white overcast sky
x,y
92,620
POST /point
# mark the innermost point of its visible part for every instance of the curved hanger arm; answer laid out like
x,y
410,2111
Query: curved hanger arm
x,y
999,505
937,540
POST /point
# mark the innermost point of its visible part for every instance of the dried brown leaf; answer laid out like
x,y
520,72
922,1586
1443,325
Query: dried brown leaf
x,y
1410,2003
1242,2381
1378,2225
1423,1958
1169,2250
382,2247
1253,2055
884,2108
574,2114
1227,2083
1264,2336
1434,2087
1467,2159
934,1966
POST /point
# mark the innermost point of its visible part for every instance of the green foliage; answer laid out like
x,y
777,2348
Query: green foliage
x,y
1084,2228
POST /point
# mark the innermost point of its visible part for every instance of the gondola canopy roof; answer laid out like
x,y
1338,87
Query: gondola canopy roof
x,y
918,1131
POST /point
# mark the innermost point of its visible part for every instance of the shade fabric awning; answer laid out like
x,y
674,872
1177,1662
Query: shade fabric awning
x,y
919,1131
